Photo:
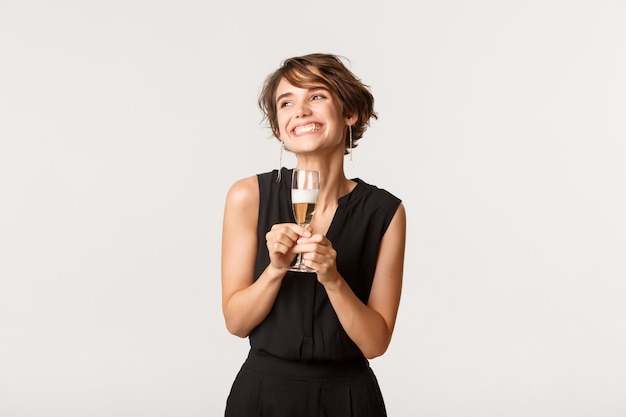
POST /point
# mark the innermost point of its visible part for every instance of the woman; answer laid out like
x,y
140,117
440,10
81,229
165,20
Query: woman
x,y
311,334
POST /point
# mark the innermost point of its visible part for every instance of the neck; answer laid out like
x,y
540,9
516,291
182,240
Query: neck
x,y
333,181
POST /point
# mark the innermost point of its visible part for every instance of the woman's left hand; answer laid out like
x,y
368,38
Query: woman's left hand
x,y
319,254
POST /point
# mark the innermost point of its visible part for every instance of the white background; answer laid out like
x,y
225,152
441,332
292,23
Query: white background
x,y
502,128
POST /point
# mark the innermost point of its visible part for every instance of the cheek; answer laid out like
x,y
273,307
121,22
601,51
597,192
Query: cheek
x,y
281,125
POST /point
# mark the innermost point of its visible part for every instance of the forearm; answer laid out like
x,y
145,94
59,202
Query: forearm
x,y
367,328
248,307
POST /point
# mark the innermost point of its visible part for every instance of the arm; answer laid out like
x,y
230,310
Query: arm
x,y
369,326
246,302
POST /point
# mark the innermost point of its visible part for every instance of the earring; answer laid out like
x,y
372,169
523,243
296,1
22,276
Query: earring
x,y
280,160
350,134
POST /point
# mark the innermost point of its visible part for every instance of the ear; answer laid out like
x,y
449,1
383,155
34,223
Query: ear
x,y
351,120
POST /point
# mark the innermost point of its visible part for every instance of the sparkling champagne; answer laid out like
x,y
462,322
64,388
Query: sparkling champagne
x,y
303,212
305,186
303,202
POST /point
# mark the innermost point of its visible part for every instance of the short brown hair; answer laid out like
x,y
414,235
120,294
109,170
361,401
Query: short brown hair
x,y
354,96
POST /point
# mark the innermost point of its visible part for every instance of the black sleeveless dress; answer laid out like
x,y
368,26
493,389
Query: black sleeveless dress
x,y
301,361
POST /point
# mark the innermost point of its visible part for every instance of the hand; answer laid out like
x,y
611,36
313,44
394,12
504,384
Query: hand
x,y
319,254
281,240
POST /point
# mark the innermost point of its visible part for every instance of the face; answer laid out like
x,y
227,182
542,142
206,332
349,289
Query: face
x,y
309,119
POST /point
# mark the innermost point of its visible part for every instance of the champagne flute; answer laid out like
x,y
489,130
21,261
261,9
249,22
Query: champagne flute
x,y
305,186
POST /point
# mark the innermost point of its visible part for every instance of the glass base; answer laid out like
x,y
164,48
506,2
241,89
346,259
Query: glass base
x,y
300,268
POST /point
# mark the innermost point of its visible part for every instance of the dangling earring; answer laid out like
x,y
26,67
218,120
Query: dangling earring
x,y
280,160
350,134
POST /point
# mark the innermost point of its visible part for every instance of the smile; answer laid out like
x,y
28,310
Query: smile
x,y
311,127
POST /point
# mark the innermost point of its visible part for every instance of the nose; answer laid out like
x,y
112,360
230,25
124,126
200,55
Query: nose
x,y
303,109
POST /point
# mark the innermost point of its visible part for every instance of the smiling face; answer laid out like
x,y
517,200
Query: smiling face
x,y
329,73
309,118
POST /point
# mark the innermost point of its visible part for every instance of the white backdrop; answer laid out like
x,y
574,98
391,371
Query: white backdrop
x,y
123,123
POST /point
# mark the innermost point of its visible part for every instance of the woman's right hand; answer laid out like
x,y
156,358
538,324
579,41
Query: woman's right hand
x,y
280,240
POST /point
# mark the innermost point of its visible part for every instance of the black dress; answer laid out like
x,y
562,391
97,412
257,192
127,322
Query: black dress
x,y
301,361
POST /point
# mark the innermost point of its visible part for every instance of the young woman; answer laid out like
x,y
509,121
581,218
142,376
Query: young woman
x,y
311,334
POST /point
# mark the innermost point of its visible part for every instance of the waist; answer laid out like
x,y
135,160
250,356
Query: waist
x,y
272,365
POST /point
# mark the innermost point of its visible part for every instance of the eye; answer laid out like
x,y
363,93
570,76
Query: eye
x,y
318,97
285,103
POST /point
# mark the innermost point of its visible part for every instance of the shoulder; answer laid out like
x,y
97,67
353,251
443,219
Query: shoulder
x,y
243,192
247,190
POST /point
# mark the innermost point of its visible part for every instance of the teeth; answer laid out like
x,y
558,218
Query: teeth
x,y
313,127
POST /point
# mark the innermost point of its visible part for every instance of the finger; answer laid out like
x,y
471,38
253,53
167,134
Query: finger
x,y
317,238
278,247
284,235
293,231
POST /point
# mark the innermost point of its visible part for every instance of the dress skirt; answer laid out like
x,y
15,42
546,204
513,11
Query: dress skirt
x,y
267,386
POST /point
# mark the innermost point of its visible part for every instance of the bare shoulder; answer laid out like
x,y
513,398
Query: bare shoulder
x,y
400,216
243,192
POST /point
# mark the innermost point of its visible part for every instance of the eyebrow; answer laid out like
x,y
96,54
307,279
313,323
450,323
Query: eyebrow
x,y
280,97
312,89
